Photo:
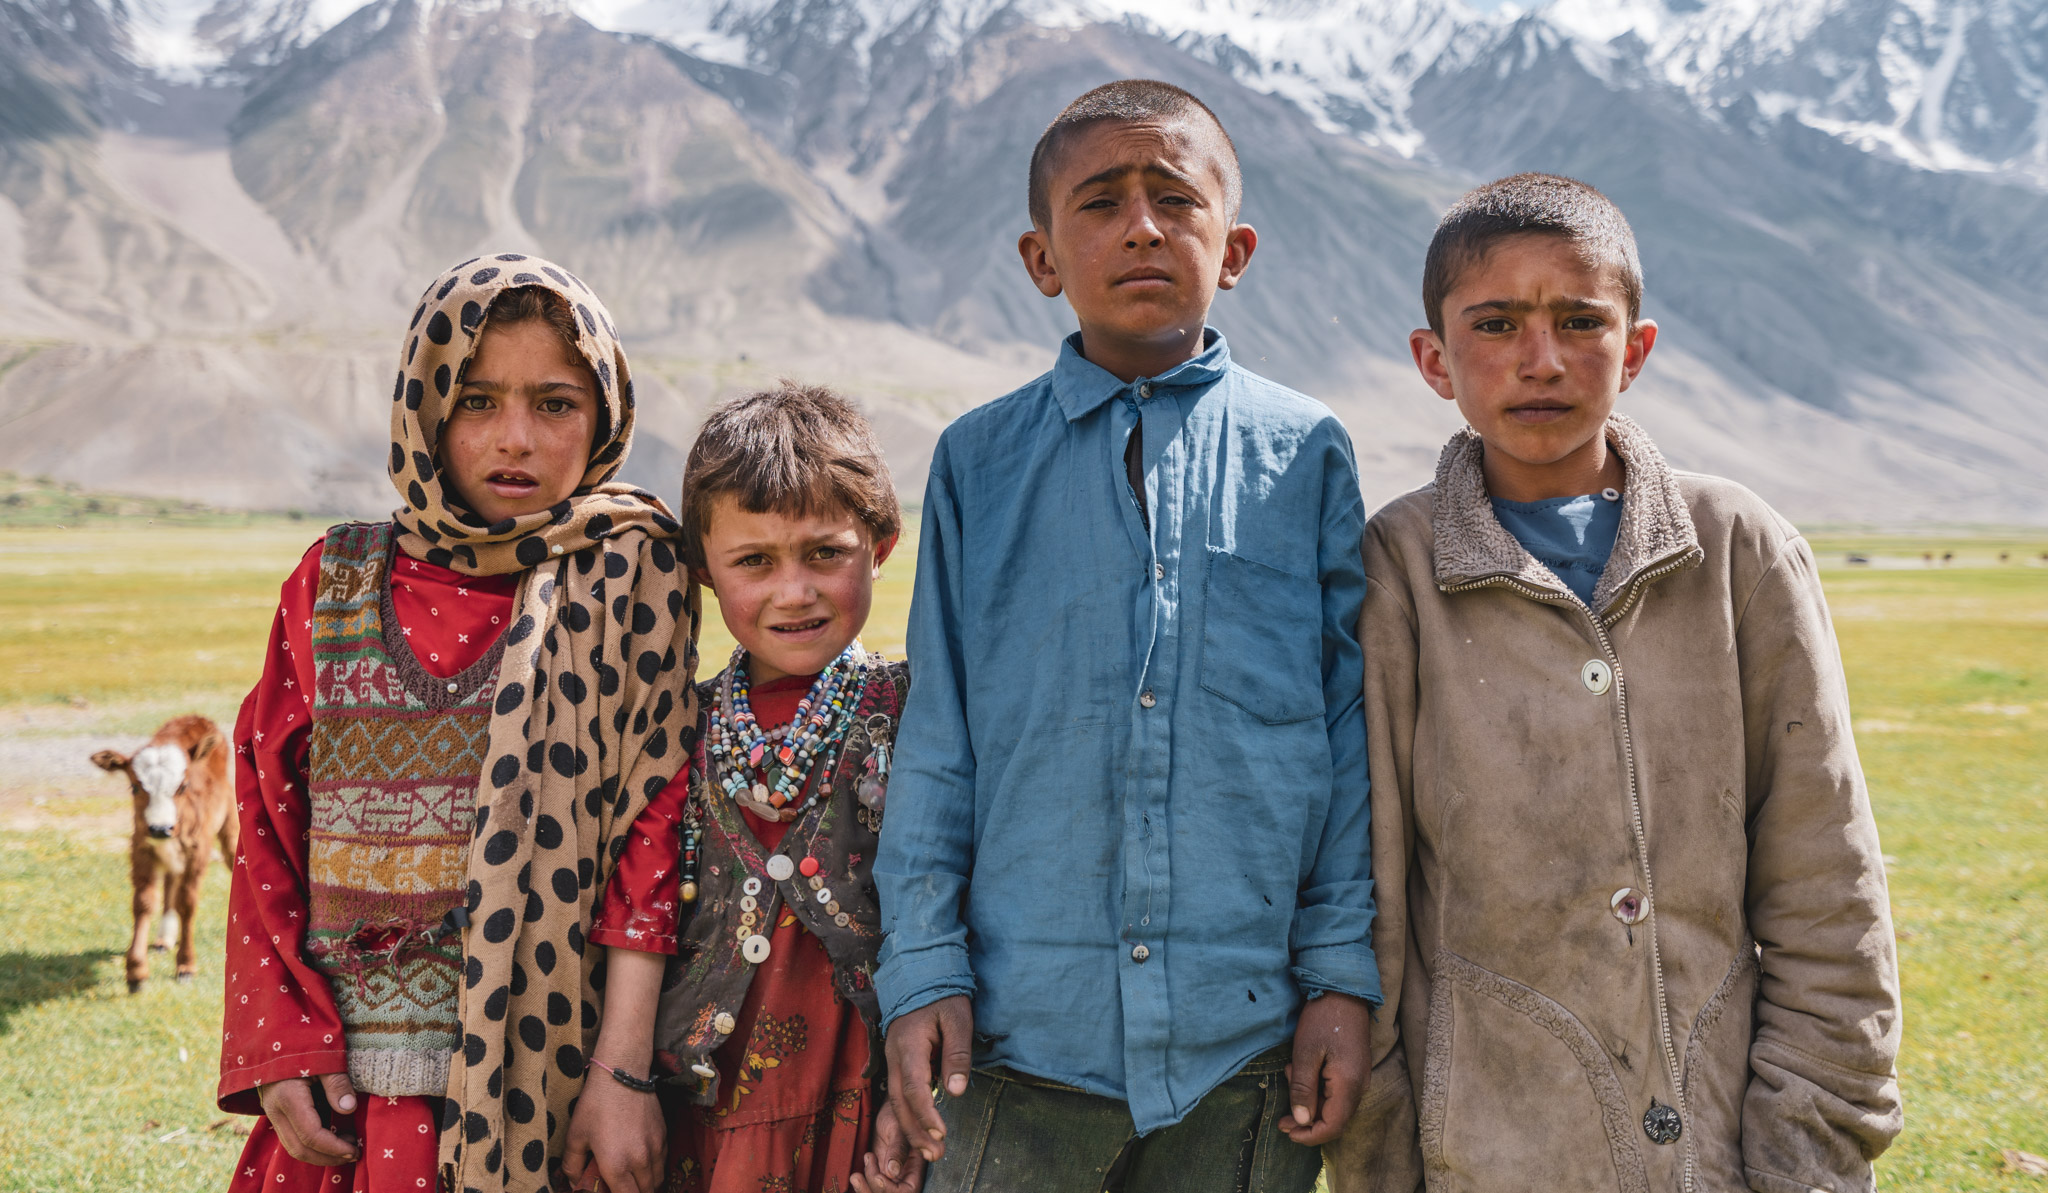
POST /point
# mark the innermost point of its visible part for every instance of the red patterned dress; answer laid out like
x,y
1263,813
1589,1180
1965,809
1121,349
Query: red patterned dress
x,y
797,1111
281,1019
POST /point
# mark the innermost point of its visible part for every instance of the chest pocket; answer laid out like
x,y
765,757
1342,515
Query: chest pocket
x,y
1262,639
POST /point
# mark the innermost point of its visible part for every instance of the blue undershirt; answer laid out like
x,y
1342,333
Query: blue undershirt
x,y
1572,536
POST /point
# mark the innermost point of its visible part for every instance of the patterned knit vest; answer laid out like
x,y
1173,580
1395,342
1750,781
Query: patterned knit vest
x,y
394,764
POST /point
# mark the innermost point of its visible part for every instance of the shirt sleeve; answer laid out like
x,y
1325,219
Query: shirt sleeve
x,y
281,1020
927,847
641,907
1333,918
1823,1097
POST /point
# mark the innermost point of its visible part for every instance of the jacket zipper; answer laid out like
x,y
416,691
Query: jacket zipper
x,y
1635,799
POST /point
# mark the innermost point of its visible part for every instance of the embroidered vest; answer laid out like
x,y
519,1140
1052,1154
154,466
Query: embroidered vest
x,y
706,981
393,768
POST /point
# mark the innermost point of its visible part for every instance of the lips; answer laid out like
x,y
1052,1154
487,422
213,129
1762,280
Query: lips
x,y
800,629
1538,412
511,482
1146,278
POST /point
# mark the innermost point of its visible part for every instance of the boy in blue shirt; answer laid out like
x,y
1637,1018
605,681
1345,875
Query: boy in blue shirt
x,y
1127,834
1633,929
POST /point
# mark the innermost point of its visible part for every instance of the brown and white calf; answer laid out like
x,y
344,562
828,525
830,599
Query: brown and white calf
x,y
184,801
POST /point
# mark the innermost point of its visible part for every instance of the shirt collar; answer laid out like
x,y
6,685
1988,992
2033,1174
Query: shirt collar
x,y
1080,386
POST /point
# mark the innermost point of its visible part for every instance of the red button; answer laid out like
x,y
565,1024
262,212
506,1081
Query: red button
x,y
807,867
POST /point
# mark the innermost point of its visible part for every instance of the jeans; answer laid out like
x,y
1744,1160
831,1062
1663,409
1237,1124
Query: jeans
x,y
1011,1133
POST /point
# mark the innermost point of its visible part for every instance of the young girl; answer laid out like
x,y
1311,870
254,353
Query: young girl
x,y
461,712
741,922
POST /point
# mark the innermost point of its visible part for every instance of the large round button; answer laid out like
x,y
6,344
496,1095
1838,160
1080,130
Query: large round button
x,y
1597,676
780,867
724,1023
1139,953
755,950
1661,1123
1629,905
749,903
751,886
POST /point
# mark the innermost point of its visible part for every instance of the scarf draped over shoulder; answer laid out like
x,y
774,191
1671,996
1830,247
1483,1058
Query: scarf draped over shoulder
x,y
595,712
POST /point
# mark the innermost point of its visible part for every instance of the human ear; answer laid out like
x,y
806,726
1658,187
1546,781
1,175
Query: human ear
x,y
701,576
1641,338
1036,249
1428,349
1238,246
882,550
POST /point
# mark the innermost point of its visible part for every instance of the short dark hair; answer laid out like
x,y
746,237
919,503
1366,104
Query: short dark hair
x,y
1523,205
792,450
1127,101
535,304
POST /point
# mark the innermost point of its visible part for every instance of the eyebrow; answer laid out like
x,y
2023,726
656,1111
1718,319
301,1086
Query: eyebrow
x,y
543,387
1519,306
1116,172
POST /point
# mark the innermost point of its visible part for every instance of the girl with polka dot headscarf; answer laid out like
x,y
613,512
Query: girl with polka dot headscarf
x,y
462,711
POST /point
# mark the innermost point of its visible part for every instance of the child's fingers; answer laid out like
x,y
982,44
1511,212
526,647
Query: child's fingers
x,y
289,1106
1305,1080
956,1037
341,1093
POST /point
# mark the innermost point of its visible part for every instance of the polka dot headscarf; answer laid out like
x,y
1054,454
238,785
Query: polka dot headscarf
x,y
595,712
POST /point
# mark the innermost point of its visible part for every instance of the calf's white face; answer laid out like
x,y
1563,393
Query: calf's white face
x,y
160,769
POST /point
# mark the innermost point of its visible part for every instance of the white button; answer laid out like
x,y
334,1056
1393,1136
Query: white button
x,y
556,549
1159,571
1611,494
1596,676
749,903
451,685
1139,953
751,886
755,950
1629,905
824,895
703,1070
1147,699
724,1023
780,867
1145,389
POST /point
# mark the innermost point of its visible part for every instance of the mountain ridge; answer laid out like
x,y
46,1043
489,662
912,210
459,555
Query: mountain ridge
x,y
831,188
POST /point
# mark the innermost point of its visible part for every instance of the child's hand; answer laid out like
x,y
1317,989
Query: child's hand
x,y
1332,1064
892,1167
617,1135
293,1114
944,1029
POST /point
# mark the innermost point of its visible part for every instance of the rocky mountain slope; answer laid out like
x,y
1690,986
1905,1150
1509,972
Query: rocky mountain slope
x,y
212,213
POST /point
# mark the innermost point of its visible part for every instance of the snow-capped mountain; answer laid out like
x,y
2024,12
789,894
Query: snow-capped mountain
x,y
210,210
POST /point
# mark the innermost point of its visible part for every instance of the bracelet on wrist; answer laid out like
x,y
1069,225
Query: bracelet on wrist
x,y
642,1085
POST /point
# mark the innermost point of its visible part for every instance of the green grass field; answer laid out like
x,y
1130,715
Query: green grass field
x,y
109,627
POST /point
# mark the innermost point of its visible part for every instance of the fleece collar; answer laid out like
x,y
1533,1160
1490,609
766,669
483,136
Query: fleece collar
x,y
1471,544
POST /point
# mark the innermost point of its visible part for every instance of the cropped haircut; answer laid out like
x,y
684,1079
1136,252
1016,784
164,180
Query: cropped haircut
x,y
1521,205
795,450
1127,101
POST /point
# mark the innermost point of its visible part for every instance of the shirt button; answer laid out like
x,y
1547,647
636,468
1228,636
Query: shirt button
x,y
1139,953
1597,677
724,1023
1147,699
451,687
1145,389
1159,571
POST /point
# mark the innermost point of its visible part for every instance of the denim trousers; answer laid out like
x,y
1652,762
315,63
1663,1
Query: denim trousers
x,y
1012,1133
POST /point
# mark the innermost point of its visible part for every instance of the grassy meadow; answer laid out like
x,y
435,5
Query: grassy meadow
x,y
113,623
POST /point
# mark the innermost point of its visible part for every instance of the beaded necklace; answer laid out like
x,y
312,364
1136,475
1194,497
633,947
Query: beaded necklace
x,y
767,773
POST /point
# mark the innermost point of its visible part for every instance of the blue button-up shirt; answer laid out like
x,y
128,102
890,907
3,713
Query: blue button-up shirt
x,y
1127,812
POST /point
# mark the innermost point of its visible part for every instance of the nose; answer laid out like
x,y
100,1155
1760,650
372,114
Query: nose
x,y
1543,362
160,832
515,432
1144,230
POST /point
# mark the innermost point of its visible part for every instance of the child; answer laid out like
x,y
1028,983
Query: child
x,y
1633,922
766,1018
1128,838
501,663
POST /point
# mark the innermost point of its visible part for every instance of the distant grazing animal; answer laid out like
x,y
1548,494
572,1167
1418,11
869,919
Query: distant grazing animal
x,y
184,799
